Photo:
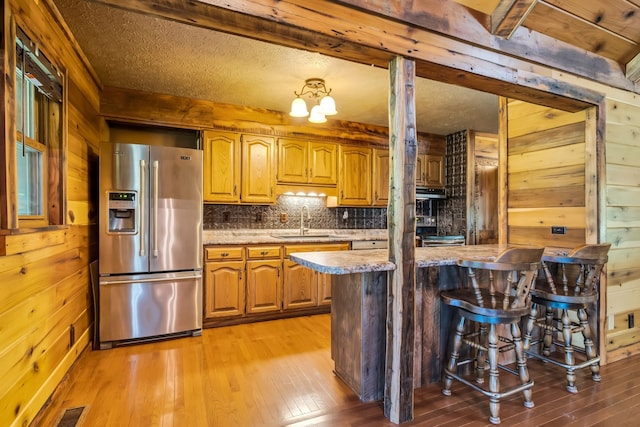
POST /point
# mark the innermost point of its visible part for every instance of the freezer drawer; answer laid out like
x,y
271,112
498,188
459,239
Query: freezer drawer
x,y
150,305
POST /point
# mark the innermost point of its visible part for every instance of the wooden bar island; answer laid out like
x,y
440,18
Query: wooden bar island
x,y
359,304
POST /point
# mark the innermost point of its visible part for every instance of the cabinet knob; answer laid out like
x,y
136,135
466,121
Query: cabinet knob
x,y
264,253
224,254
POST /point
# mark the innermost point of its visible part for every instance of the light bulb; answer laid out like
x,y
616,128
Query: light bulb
x,y
298,108
316,115
328,105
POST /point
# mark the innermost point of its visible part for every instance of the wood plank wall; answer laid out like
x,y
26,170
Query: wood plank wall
x,y
623,226
45,300
545,175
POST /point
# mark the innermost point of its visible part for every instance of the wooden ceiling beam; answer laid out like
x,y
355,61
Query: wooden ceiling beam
x,y
355,35
456,21
509,15
633,69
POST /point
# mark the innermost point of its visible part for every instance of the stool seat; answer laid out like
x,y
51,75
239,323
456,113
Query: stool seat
x,y
571,284
570,302
495,293
466,299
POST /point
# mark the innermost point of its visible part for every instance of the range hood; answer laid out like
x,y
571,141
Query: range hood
x,y
429,193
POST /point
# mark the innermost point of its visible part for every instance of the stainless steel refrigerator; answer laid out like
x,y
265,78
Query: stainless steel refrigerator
x,y
150,269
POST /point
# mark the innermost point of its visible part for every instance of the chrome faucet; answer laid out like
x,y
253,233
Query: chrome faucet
x,y
303,229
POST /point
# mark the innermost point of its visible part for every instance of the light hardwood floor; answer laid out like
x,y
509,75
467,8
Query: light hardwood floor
x,y
279,373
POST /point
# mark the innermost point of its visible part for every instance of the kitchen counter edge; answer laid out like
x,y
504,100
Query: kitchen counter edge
x,y
348,262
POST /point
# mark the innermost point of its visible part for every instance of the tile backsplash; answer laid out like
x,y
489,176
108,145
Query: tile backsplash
x,y
452,214
285,214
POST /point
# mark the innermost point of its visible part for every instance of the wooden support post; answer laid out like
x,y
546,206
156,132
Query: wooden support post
x,y
398,390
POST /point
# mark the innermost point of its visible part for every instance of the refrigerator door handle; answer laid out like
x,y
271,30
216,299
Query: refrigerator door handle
x,y
155,209
143,167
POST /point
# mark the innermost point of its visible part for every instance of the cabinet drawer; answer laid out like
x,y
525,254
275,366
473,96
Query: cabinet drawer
x,y
288,250
222,253
259,252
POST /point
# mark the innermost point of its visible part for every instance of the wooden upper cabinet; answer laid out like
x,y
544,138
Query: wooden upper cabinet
x,y
221,167
354,182
258,168
323,163
293,161
435,171
306,162
421,170
380,177
430,171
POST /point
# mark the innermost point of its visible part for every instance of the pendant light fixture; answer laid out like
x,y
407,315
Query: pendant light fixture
x,y
325,104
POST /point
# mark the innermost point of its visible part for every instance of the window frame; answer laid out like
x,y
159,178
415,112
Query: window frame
x,y
54,158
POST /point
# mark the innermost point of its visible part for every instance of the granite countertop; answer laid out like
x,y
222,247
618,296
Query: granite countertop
x,y
285,236
347,262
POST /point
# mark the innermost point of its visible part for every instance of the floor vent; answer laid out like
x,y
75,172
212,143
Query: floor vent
x,y
72,417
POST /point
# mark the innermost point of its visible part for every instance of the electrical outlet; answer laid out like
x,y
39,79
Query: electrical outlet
x,y
283,217
558,229
631,321
225,216
258,216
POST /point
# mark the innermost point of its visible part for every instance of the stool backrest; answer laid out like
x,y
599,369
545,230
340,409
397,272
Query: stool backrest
x,y
577,273
510,277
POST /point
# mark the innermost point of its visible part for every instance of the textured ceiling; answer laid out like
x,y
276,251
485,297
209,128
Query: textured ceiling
x,y
135,51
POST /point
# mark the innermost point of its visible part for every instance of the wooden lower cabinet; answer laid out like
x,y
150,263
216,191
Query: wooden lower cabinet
x,y
253,282
264,279
324,287
224,286
304,287
224,289
300,286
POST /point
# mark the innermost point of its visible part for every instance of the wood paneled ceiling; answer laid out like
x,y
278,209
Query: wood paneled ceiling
x,y
610,28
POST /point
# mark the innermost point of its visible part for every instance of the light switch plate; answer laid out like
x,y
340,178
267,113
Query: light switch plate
x,y
558,229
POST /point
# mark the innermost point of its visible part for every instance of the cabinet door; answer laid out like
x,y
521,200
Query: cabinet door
x,y
258,169
221,167
435,171
323,163
324,288
299,286
264,286
380,177
320,281
354,185
224,289
293,158
421,170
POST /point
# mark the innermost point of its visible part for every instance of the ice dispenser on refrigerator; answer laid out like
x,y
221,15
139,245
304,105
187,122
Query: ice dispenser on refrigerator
x,y
122,212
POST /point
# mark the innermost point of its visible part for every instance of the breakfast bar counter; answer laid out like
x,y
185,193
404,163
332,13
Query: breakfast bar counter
x,y
359,304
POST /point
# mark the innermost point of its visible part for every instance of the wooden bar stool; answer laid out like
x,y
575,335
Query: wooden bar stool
x,y
571,283
499,295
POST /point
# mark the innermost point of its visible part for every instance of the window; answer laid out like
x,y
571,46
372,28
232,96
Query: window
x,y
38,95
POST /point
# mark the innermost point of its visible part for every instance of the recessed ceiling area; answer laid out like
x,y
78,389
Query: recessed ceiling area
x,y
136,51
